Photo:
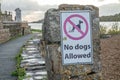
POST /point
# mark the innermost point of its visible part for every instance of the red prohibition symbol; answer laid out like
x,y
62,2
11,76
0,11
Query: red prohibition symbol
x,y
83,33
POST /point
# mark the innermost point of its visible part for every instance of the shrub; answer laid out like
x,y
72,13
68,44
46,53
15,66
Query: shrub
x,y
103,31
115,29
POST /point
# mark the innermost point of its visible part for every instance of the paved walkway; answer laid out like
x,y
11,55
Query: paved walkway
x,y
7,53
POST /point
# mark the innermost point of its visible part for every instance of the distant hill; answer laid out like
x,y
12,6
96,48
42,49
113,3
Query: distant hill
x,y
39,21
110,12
115,17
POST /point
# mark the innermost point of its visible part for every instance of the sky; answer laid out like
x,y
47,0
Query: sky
x,y
33,10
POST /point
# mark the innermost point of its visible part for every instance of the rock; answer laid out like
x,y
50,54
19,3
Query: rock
x,y
51,36
51,27
29,74
29,78
39,77
31,49
32,61
41,73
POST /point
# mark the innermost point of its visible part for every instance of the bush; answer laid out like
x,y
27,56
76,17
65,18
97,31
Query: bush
x,y
20,72
103,31
115,29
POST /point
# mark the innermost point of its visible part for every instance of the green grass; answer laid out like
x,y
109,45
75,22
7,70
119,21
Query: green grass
x,y
19,72
36,30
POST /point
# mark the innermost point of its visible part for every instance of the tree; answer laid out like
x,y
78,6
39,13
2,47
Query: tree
x,y
103,30
115,29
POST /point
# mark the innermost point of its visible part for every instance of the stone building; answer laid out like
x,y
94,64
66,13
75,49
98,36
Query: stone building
x,y
14,28
10,28
4,33
17,28
6,16
18,15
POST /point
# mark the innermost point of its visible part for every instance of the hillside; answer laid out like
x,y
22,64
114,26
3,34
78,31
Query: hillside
x,y
115,17
39,21
110,56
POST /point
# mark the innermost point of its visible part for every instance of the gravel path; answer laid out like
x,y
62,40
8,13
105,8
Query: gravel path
x,y
8,51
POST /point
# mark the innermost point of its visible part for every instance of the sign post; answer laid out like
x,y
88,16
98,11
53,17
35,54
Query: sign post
x,y
76,37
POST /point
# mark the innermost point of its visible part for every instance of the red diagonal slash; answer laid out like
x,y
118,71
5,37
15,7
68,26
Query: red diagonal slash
x,y
76,27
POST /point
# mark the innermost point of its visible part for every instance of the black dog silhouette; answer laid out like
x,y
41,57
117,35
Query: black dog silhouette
x,y
78,25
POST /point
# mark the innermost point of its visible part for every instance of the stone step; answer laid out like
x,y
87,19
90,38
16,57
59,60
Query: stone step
x,y
29,45
32,51
33,62
31,65
30,42
28,78
35,78
39,77
37,73
31,57
30,54
35,68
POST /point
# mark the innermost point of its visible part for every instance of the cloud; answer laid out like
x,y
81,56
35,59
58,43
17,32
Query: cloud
x,y
22,4
46,7
101,0
31,10
26,5
33,16
109,9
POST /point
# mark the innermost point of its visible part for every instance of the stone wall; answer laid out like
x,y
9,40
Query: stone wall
x,y
51,47
51,27
14,29
6,16
9,28
4,34
17,28
1,25
25,28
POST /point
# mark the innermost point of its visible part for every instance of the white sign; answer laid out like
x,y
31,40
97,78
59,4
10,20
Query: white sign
x,y
76,37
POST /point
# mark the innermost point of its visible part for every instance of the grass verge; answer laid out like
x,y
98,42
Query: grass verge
x,y
19,72
36,30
